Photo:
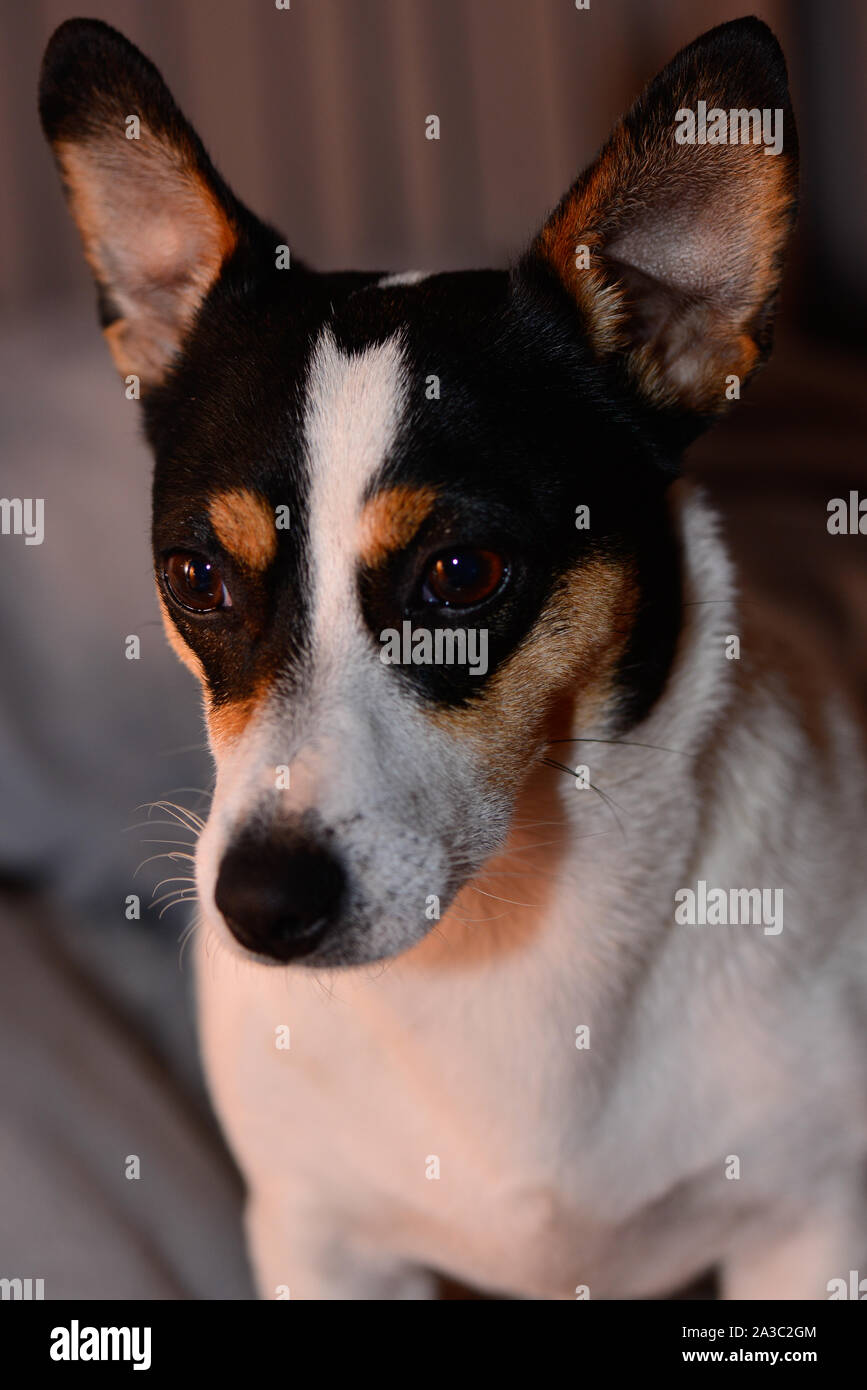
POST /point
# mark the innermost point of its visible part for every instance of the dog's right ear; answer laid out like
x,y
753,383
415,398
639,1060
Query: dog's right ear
x,y
156,220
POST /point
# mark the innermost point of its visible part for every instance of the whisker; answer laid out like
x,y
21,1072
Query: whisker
x,y
496,897
179,878
148,824
187,748
610,802
531,824
196,791
459,917
182,813
166,854
183,845
624,743
173,892
186,936
175,903
540,844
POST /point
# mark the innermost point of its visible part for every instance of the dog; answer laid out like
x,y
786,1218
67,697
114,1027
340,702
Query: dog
x,y
543,973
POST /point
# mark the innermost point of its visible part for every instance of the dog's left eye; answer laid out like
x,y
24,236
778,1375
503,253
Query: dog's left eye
x,y
463,578
195,583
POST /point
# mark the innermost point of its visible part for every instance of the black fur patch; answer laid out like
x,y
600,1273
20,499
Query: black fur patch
x,y
527,427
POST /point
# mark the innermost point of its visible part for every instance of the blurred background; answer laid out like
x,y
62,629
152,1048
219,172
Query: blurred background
x,y
315,115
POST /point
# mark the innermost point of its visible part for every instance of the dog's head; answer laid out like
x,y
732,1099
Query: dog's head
x,y
399,521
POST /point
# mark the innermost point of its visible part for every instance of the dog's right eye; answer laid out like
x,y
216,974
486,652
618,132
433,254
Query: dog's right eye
x,y
195,583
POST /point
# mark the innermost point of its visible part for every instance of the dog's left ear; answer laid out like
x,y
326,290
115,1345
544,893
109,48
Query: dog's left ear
x,y
156,220
671,243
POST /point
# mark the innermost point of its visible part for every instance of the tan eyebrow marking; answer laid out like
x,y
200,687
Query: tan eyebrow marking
x,y
245,526
389,521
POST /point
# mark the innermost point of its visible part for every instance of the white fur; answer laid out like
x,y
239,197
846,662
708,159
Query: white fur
x,y
359,752
603,1167
354,404
404,277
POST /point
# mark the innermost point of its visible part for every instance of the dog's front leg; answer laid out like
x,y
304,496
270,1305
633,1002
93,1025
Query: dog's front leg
x,y
300,1250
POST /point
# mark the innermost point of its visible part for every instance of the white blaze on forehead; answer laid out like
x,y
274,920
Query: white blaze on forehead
x,y
354,403
403,277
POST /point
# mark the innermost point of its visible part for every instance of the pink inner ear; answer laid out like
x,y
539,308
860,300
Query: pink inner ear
x,y
679,247
155,236
166,247
682,265
682,242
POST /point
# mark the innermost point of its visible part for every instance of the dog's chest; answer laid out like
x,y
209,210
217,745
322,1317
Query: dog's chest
x,y
477,1141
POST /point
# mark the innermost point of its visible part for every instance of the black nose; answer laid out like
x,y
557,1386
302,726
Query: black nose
x,y
279,895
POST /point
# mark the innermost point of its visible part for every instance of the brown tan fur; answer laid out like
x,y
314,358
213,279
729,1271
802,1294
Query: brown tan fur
x,y
244,525
477,927
226,723
577,641
178,645
389,521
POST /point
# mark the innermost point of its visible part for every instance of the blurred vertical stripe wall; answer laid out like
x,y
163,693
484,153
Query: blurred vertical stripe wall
x,y
316,114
